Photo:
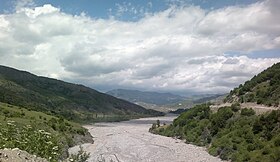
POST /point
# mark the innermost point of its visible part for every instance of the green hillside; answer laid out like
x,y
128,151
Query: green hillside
x,y
233,133
230,133
38,133
72,101
263,88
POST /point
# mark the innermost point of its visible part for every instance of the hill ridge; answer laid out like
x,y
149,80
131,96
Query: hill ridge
x,y
150,97
263,88
73,101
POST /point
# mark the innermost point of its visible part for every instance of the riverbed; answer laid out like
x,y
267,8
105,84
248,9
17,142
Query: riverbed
x,y
130,141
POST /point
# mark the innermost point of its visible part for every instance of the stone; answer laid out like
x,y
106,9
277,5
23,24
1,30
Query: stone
x,y
15,149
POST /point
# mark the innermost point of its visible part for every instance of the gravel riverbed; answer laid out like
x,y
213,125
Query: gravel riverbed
x,y
130,141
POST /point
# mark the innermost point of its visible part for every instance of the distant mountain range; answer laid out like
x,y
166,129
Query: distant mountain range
x,y
136,96
72,101
165,102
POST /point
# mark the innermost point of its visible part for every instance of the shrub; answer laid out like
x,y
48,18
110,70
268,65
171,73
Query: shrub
x,y
38,142
257,126
225,153
81,156
248,112
266,150
275,156
235,107
277,141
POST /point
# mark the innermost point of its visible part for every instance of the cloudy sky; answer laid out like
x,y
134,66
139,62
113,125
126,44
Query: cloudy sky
x,y
180,46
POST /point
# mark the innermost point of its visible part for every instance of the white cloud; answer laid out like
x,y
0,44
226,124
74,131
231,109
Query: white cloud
x,y
20,4
238,19
179,49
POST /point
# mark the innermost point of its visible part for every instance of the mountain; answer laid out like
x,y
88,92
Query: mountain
x,y
136,96
191,101
263,88
72,101
232,132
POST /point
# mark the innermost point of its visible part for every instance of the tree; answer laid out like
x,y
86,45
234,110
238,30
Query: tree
x,y
248,112
158,123
235,107
257,126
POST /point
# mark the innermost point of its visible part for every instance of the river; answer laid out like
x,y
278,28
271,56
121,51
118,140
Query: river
x,y
130,141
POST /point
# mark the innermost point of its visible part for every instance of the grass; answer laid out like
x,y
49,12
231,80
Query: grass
x,y
14,113
19,125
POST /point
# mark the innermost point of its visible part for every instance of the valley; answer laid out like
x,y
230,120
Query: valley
x,y
140,81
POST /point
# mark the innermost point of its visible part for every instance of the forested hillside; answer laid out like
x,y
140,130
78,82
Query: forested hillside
x,y
72,101
235,133
263,88
230,133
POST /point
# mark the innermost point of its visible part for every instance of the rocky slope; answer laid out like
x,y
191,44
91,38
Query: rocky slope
x,y
17,155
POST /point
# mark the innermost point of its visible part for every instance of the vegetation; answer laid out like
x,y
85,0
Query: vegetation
x,y
178,111
36,113
230,133
233,133
81,156
28,138
71,101
261,89
38,133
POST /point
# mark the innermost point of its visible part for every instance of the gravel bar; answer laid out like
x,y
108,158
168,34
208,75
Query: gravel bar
x,y
130,141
